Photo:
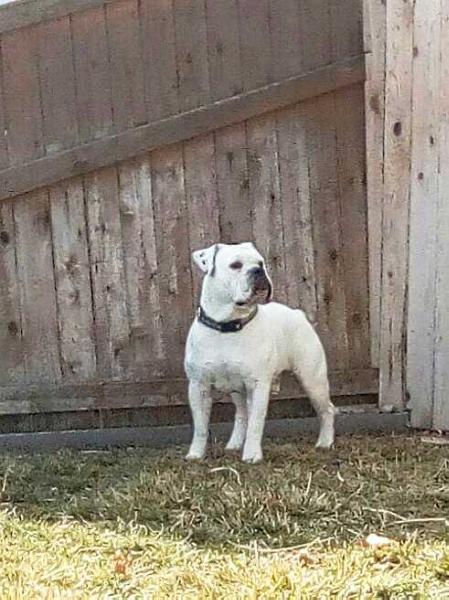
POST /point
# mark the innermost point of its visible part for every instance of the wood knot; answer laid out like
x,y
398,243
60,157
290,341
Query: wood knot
x,y
397,128
4,237
12,328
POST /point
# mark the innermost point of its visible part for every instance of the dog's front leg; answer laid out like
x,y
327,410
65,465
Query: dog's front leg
x,y
258,406
200,401
238,435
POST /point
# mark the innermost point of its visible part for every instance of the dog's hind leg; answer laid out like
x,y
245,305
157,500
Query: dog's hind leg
x,y
200,401
314,379
238,435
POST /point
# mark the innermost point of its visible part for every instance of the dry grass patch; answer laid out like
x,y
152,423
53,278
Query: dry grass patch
x,y
145,524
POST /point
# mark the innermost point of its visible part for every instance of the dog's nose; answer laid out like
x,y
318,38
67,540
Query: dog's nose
x,y
258,272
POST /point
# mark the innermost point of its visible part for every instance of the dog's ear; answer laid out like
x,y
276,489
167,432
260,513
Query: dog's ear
x,y
205,259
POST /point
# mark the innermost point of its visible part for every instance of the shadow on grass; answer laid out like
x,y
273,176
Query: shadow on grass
x,y
298,495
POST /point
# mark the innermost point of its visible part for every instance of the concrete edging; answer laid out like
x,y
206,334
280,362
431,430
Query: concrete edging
x,y
351,422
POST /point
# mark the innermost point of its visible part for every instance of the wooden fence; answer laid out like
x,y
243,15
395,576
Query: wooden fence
x,y
407,124
138,130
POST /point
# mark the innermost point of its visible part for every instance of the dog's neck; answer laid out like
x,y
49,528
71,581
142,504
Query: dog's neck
x,y
217,304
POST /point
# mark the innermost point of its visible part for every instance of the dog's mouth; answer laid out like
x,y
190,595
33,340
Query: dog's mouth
x,y
260,294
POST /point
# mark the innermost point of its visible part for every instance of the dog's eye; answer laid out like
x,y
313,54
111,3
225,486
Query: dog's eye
x,y
260,263
236,265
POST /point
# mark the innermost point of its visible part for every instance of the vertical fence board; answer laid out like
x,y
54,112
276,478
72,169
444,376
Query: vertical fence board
x,y
107,273
4,160
172,242
191,53
93,86
11,363
73,289
233,184
423,210
295,193
349,118
202,199
22,95
316,27
126,65
321,141
396,200
441,379
142,269
37,287
254,18
223,48
265,198
286,36
375,39
159,56
57,79
346,28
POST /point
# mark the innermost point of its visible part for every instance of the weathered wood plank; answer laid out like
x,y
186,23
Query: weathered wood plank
x,y
350,125
166,392
233,184
286,37
93,85
173,252
107,273
191,53
114,148
326,219
438,78
4,159
57,85
72,279
37,288
201,198
126,64
159,55
398,85
295,193
375,39
346,28
141,270
255,51
11,363
424,216
21,96
265,199
223,42
317,33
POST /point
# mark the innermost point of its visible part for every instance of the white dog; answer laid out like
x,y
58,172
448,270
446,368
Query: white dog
x,y
239,344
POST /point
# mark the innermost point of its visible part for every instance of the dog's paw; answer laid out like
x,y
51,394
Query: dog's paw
x,y
324,444
194,456
252,458
233,446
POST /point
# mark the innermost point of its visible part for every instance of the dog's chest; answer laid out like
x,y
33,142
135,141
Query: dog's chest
x,y
227,362
224,376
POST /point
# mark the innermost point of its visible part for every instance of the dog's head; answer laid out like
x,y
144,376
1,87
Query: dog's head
x,y
239,270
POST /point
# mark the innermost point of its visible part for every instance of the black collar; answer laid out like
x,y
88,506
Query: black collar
x,y
225,326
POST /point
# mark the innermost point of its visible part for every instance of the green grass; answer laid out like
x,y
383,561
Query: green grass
x,y
145,524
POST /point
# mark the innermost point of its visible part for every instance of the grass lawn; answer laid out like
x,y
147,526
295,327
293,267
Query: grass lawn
x,y
144,524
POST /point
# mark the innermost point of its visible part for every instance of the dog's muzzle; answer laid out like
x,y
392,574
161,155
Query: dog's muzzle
x,y
260,285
